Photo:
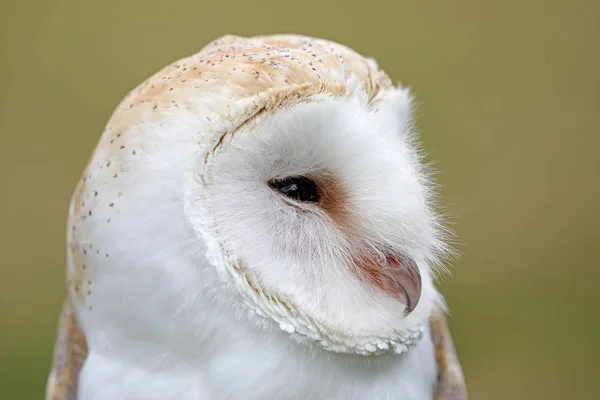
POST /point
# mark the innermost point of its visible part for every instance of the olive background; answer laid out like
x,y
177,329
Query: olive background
x,y
508,97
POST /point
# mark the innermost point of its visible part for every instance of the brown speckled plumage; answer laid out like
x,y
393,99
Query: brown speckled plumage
x,y
286,68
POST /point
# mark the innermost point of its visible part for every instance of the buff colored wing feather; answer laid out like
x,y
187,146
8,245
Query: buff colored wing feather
x,y
451,383
69,354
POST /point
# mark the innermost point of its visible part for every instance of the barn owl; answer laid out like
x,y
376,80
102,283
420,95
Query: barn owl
x,y
256,222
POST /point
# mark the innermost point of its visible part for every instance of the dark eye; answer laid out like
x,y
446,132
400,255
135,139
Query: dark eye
x,y
299,188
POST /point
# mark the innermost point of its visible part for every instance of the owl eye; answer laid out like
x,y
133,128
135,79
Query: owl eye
x,y
299,188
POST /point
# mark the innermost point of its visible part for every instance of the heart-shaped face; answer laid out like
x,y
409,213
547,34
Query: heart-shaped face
x,y
322,208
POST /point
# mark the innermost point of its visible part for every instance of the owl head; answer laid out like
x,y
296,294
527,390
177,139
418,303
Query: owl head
x,y
279,177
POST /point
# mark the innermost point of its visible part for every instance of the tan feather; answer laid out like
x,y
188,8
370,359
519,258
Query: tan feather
x,y
451,383
69,354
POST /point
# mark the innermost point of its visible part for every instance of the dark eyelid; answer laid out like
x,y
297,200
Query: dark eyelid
x,y
297,187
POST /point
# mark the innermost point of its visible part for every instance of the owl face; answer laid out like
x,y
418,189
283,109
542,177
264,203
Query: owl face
x,y
323,213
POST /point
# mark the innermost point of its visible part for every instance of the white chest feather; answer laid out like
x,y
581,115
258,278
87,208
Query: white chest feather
x,y
249,366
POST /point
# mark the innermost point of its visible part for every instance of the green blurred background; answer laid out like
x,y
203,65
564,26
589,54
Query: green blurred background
x,y
509,95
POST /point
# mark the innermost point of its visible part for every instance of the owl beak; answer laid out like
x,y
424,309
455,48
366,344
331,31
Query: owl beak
x,y
397,276
406,280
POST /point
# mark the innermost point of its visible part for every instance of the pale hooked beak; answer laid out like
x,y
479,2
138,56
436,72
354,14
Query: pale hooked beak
x,y
398,276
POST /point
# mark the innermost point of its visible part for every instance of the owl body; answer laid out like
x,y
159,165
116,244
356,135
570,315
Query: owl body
x,y
256,222
242,363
